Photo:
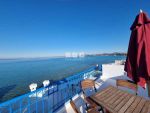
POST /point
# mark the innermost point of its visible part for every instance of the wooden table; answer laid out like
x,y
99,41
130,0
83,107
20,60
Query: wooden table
x,y
119,101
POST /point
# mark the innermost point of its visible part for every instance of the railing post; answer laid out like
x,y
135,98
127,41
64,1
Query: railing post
x,y
20,106
48,103
29,104
42,102
53,99
36,104
10,109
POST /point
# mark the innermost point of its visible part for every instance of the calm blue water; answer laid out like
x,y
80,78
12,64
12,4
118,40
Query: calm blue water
x,y
16,75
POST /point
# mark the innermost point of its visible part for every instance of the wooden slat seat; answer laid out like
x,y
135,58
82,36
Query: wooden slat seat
x,y
128,84
88,83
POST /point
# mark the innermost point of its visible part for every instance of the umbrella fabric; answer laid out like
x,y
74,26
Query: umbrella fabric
x,y
137,63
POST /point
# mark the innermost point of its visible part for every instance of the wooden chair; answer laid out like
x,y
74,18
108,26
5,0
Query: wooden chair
x,y
92,110
74,107
128,84
88,83
85,84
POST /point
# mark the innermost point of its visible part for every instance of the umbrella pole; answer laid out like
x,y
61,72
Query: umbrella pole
x,y
148,87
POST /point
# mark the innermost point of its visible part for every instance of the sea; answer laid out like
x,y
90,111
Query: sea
x,y
17,74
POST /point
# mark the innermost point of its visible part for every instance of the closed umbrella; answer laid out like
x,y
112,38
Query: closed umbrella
x,y
137,63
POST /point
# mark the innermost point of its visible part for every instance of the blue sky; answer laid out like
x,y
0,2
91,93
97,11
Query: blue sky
x,y
38,28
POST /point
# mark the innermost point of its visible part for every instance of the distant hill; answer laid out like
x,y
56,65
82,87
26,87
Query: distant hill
x,y
109,54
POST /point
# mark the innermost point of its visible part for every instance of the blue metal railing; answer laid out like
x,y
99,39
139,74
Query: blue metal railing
x,y
48,99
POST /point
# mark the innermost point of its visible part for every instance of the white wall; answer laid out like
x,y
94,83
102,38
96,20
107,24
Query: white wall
x,y
112,70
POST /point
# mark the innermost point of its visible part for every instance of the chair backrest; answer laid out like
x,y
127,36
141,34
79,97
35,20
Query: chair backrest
x,y
85,84
74,107
128,84
88,83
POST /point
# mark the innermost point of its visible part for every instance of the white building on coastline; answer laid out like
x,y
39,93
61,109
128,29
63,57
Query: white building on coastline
x,y
74,54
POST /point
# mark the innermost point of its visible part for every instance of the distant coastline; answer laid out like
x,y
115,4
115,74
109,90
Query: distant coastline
x,y
110,54
97,54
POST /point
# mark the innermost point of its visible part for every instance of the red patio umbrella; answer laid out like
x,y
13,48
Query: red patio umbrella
x,y
137,63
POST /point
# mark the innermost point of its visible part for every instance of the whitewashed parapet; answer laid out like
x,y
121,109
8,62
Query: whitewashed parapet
x,y
120,62
112,70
